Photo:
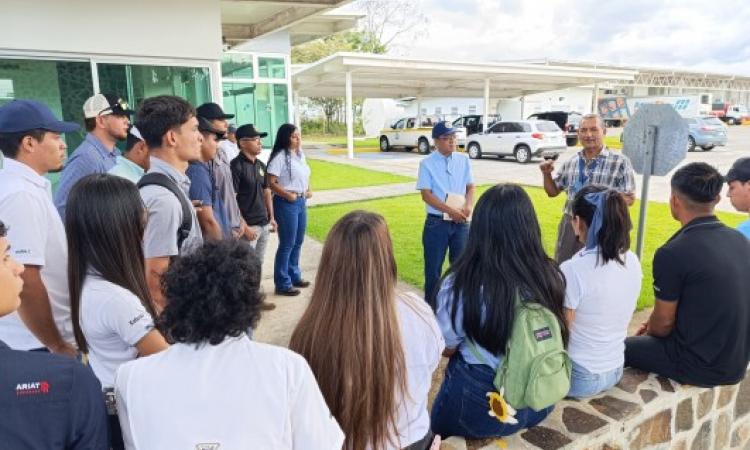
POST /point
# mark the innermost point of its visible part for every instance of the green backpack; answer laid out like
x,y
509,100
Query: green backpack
x,y
535,371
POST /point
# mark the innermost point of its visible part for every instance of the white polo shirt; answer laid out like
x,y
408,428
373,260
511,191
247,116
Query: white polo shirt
x,y
113,320
604,298
37,238
239,394
423,345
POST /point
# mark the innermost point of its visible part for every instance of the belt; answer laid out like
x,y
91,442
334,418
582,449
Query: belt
x,y
437,216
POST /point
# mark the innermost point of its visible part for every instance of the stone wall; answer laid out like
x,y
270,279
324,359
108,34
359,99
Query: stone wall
x,y
643,411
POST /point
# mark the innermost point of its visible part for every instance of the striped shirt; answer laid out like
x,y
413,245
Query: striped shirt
x,y
611,169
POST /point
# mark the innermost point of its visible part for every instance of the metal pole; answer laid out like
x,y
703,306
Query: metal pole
x,y
648,168
595,98
349,117
486,104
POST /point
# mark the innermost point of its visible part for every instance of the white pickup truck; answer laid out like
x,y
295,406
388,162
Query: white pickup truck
x,y
404,133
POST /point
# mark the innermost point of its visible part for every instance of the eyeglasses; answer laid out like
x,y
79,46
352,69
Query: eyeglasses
x,y
250,139
122,104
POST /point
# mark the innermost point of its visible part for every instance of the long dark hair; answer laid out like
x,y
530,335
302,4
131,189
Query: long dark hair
x,y
503,258
282,143
104,223
614,237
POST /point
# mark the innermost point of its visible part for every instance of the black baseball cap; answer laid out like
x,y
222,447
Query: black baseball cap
x,y
248,131
104,104
212,111
24,115
740,171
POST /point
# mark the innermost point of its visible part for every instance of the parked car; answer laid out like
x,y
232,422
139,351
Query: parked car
x,y
705,132
405,134
567,121
522,140
471,124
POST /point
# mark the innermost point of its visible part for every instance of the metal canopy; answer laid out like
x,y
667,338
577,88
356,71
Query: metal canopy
x,y
382,76
386,76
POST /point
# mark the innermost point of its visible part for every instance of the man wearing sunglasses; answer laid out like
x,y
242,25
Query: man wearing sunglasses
x,y
107,119
447,187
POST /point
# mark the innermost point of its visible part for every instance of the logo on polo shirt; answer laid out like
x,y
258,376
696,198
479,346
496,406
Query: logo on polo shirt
x,y
33,388
212,446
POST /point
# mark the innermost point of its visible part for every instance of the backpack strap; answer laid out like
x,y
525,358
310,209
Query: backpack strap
x,y
159,179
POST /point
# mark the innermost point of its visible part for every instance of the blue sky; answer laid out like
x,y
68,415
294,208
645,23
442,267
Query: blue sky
x,y
699,35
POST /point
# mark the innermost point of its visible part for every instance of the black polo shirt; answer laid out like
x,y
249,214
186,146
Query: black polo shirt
x,y
250,179
705,268
49,401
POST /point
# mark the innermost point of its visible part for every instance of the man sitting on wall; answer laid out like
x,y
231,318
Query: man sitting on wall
x,y
699,330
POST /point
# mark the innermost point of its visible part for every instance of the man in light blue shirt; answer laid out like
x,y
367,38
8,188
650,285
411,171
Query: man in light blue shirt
x,y
107,120
446,227
134,161
738,179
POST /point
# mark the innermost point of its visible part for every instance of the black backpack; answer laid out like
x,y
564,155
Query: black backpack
x,y
159,179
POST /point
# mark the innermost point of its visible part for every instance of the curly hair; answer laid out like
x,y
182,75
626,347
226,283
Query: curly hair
x,y
212,293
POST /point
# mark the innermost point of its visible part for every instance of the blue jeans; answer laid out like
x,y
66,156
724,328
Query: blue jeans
x,y
291,218
585,384
438,237
461,406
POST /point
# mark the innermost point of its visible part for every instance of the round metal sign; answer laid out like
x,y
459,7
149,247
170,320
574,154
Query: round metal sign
x,y
658,132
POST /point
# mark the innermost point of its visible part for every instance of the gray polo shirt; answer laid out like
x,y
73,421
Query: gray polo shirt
x,y
165,215
225,187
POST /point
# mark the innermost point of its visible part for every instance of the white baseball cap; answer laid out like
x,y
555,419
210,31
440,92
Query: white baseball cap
x,y
105,104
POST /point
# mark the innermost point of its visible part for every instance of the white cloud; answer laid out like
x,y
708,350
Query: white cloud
x,y
710,36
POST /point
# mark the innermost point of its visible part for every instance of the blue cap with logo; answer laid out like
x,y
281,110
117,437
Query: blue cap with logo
x,y
25,115
442,128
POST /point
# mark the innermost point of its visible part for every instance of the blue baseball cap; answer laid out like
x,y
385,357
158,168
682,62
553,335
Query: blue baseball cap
x,y
442,128
25,115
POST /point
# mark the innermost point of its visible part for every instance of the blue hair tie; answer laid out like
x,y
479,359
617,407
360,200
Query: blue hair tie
x,y
596,199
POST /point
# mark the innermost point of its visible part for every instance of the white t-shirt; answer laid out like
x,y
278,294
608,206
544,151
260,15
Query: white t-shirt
x,y
604,298
423,345
113,320
37,238
239,394
230,148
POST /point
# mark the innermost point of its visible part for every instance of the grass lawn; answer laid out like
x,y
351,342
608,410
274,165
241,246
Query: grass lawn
x,y
405,217
359,142
327,175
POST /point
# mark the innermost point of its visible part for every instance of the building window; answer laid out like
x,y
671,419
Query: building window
x,y
137,82
438,110
263,104
472,109
237,65
424,111
454,110
271,68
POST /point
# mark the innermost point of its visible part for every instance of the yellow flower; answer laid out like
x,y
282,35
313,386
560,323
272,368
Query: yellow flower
x,y
500,409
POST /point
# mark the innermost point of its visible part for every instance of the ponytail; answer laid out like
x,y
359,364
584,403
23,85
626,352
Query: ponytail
x,y
613,221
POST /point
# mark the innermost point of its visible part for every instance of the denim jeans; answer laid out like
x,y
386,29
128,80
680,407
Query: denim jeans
x,y
438,237
585,384
461,406
291,218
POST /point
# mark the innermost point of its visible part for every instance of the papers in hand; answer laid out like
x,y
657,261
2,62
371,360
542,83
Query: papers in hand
x,y
455,201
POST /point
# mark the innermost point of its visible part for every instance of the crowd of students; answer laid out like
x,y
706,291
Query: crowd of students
x,y
128,309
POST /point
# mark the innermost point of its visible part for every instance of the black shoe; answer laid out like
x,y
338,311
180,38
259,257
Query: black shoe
x,y
291,292
301,283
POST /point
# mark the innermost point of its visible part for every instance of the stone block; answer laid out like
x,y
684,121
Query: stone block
x,y
665,383
741,434
577,421
655,430
742,403
705,402
631,379
684,417
721,433
614,407
682,445
725,396
702,440
647,395
453,443
545,438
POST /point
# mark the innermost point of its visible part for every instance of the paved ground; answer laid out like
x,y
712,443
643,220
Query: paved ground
x,y
493,170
